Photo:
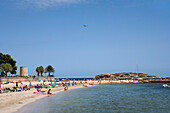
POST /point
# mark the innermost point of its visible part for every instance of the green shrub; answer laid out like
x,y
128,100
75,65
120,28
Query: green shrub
x,y
141,75
51,75
149,76
121,75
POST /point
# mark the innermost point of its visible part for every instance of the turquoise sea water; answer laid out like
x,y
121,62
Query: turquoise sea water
x,y
106,98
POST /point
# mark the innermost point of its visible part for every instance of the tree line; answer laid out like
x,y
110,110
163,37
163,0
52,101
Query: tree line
x,y
7,64
40,70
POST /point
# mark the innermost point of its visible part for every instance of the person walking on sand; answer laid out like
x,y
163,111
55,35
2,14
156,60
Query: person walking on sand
x,y
30,84
16,84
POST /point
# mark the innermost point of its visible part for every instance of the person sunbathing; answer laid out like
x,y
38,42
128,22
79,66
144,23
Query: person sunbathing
x,y
49,92
40,92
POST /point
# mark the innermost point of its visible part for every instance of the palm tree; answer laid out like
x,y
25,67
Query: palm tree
x,y
49,69
41,69
38,71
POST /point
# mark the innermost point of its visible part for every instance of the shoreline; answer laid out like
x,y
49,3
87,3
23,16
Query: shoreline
x,y
54,92
12,102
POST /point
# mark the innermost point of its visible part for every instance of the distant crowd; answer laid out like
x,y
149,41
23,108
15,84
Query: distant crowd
x,y
43,85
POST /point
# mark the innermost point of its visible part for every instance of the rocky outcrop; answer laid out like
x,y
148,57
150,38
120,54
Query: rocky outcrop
x,y
125,75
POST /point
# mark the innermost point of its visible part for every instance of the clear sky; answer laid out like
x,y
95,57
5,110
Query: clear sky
x,y
119,35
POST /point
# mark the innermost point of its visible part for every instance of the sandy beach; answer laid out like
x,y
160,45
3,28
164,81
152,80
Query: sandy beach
x,y
11,102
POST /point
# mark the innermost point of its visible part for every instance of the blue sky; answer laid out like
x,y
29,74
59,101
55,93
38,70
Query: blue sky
x,y
119,35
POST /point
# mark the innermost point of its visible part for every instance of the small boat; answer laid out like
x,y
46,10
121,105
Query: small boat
x,y
135,81
165,85
145,81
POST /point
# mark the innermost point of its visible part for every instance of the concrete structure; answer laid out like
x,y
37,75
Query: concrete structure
x,y
23,71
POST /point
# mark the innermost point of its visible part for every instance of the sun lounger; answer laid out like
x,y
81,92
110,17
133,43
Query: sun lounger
x,y
24,88
21,89
40,92
11,90
5,91
17,89
27,88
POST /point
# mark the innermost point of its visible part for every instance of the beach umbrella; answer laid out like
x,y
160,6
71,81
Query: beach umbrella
x,y
15,82
4,83
41,81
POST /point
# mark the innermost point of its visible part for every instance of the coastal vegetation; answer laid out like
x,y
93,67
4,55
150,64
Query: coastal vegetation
x,y
49,69
6,68
40,71
7,64
125,75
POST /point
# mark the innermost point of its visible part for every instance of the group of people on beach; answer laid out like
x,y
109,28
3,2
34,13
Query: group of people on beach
x,y
15,88
42,87
63,84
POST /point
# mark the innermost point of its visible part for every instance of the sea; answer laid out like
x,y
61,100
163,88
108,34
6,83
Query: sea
x,y
106,98
74,78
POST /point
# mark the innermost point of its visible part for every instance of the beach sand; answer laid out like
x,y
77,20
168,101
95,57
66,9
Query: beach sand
x,y
11,102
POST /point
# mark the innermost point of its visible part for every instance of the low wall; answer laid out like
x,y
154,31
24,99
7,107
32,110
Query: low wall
x,y
25,79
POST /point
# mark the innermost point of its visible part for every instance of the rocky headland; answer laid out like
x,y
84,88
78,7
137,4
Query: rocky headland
x,y
125,75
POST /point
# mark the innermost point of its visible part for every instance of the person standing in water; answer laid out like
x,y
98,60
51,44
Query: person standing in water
x,y
100,81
